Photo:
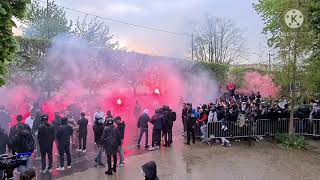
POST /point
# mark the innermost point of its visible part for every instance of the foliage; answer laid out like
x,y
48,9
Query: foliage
x,y
219,41
95,32
237,74
41,25
303,40
8,10
291,141
28,62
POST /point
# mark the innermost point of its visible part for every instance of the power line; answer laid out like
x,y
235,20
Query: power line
x,y
123,22
142,27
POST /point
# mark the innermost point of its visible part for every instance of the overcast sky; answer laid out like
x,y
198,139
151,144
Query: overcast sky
x,y
172,15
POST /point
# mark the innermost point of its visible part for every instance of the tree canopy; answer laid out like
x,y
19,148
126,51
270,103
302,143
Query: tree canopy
x,y
45,25
8,10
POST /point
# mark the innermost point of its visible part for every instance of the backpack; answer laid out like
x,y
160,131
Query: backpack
x,y
27,142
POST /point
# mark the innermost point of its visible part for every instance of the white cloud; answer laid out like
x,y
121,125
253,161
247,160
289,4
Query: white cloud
x,y
120,9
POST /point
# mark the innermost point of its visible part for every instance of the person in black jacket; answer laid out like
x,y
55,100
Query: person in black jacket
x,y
83,132
98,130
63,135
23,142
143,125
121,126
4,142
149,171
157,121
190,125
13,130
111,142
45,139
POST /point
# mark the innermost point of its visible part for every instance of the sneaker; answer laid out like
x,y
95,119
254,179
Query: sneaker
x,y
157,147
68,167
43,171
152,149
84,150
109,172
79,150
146,146
121,165
60,169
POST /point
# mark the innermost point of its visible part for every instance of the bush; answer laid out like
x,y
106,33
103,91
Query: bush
x,y
291,141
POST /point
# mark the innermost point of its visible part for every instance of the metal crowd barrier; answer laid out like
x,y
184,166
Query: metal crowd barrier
x,y
307,127
262,127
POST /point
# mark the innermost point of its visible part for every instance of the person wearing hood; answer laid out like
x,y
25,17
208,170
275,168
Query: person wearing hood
x,y
149,171
46,138
143,126
157,121
98,127
111,141
64,133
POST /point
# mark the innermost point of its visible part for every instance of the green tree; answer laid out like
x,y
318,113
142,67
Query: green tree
x,y
95,32
8,10
42,25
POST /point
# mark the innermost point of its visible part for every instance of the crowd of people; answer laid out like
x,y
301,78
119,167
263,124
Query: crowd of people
x,y
233,107
38,136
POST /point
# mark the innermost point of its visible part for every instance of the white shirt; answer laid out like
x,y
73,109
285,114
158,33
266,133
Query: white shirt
x,y
29,122
99,114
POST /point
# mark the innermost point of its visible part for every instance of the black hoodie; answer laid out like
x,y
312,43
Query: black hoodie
x,y
150,170
64,132
45,135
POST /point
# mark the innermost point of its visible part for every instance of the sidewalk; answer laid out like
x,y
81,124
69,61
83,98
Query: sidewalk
x,y
262,161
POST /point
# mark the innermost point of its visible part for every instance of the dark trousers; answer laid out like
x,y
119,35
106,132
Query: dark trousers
x,y
145,131
114,161
46,150
82,138
65,149
190,133
156,137
168,136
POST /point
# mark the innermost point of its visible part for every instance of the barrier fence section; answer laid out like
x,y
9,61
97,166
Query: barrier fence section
x,y
307,127
262,127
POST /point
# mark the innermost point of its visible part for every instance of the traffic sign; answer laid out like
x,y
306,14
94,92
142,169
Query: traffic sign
x,y
294,18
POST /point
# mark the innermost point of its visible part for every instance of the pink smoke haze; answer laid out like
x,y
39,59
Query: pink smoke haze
x,y
254,82
130,77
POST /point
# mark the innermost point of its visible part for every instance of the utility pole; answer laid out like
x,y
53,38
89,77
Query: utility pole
x,y
269,62
192,46
293,88
48,29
